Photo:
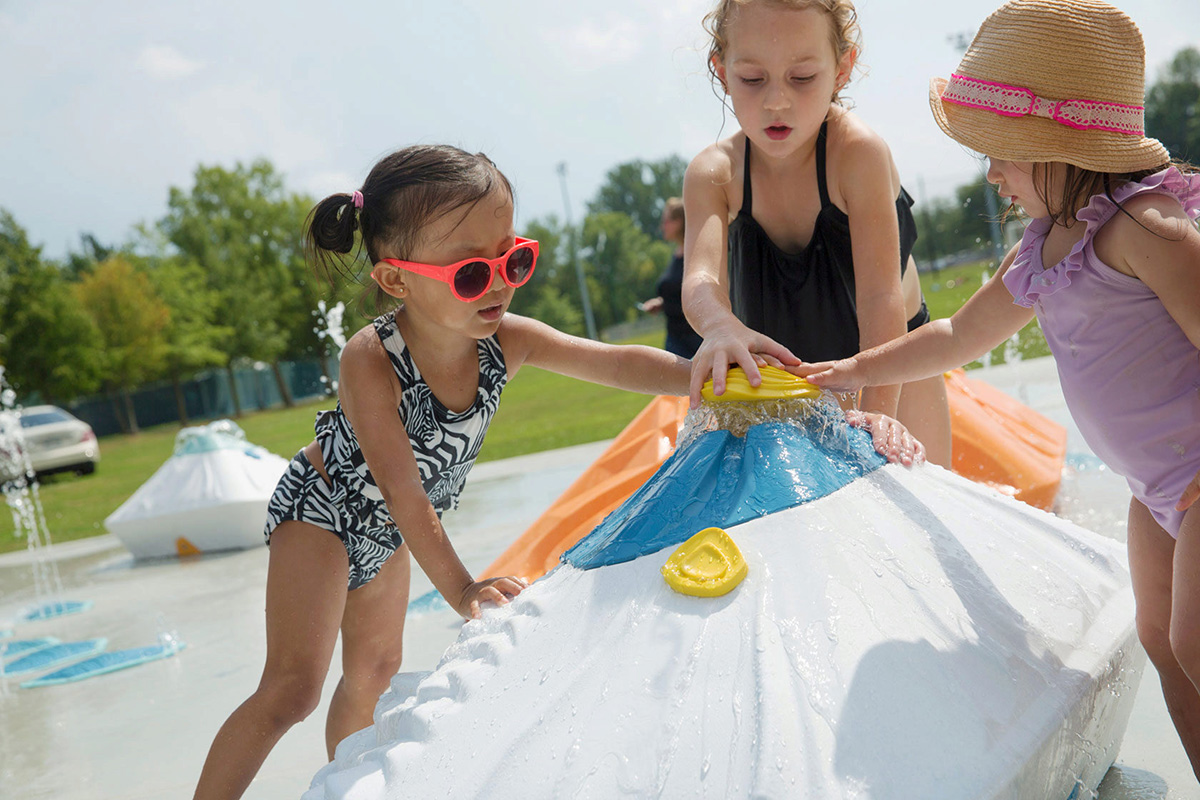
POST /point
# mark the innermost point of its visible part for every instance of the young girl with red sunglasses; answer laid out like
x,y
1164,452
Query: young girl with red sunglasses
x,y
437,226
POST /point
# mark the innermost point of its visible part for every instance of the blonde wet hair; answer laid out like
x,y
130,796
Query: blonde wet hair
x,y
844,32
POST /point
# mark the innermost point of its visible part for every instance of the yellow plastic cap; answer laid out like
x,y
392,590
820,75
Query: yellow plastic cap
x,y
707,565
776,385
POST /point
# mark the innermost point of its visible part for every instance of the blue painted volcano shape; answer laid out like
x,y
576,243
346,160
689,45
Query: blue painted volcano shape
x,y
723,480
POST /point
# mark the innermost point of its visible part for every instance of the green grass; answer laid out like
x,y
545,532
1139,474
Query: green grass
x,y
947,290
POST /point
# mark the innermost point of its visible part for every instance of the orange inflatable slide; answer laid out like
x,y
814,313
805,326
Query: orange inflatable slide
x,y
996,441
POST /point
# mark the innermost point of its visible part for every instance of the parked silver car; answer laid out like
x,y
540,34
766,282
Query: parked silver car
x,y
57,441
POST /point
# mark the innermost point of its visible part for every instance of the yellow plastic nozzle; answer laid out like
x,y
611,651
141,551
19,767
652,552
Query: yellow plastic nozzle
x,y
776,385
707,565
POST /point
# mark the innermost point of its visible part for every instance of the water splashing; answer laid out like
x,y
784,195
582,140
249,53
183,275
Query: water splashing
x,y
332,331
20,487
823,416
1012,349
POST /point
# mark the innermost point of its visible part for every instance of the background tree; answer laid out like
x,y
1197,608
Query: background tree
x,y
130,319
552,294
297,309
192,338
639,188
946,227
90,253
48,345
1173,106
243,229
622,264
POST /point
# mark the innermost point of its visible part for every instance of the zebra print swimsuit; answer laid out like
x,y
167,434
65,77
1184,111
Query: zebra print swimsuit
x,y
444,442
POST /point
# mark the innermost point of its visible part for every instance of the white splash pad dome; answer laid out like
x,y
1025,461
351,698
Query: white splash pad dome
x,y
910,634
212,492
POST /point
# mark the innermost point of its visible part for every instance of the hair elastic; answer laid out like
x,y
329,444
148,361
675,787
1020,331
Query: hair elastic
x,y
356,197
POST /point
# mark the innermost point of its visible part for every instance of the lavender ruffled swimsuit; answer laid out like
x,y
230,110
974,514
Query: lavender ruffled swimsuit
x,y
1130,376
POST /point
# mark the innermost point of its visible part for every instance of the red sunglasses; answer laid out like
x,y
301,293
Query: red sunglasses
x,y
471,278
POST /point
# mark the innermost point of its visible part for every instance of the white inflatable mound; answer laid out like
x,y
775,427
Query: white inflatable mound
x,y
211,493
908,635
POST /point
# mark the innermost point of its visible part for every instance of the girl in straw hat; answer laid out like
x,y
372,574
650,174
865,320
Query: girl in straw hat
x,y
798,231
1051,91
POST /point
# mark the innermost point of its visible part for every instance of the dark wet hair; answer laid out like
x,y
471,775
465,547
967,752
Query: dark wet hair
x,y
403,194
1080,185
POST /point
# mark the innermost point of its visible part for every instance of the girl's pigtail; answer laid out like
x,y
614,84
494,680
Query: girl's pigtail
x,y
330,235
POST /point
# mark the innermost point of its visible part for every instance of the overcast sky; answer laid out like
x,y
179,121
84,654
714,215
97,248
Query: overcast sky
x,y
105,105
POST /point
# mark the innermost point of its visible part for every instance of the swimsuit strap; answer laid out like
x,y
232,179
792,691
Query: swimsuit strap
x,y
821,167
747,199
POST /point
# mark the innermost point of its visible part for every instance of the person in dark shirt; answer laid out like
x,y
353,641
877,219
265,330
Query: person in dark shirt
x,y
681,339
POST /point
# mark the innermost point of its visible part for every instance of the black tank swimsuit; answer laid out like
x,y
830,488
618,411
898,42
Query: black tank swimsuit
x,y
805,301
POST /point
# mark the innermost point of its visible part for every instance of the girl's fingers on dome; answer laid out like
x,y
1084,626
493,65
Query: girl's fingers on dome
x,y
700,373
769,347
749,365
918,451
510,586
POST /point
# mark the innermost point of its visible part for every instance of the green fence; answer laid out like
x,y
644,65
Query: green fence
x,y
207,395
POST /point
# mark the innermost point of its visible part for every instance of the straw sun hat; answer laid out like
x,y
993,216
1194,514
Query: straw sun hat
x,y
1052,80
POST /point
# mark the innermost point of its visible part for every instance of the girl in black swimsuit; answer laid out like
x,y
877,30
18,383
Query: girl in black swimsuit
x,y
799,234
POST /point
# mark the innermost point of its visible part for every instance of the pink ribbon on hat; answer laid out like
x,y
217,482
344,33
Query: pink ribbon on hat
x,y
356,198
1016,101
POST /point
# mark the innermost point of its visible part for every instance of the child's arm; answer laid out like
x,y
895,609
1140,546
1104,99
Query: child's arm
x,y
869,184
1160,246
370,395
705,282
652,371
635,368
985,320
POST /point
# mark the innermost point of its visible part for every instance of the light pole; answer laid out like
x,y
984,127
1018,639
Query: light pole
x,y
583,291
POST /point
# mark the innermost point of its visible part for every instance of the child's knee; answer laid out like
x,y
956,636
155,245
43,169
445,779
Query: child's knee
x,y
1154,634
1185,649
371,675
290,699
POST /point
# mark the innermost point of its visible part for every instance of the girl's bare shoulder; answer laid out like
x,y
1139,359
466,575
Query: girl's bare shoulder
x,y
714,177
858,158
851,140
363,344
364,358
1152,222
717,164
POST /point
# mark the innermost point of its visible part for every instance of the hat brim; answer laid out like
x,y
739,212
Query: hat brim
x,y
1041,139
